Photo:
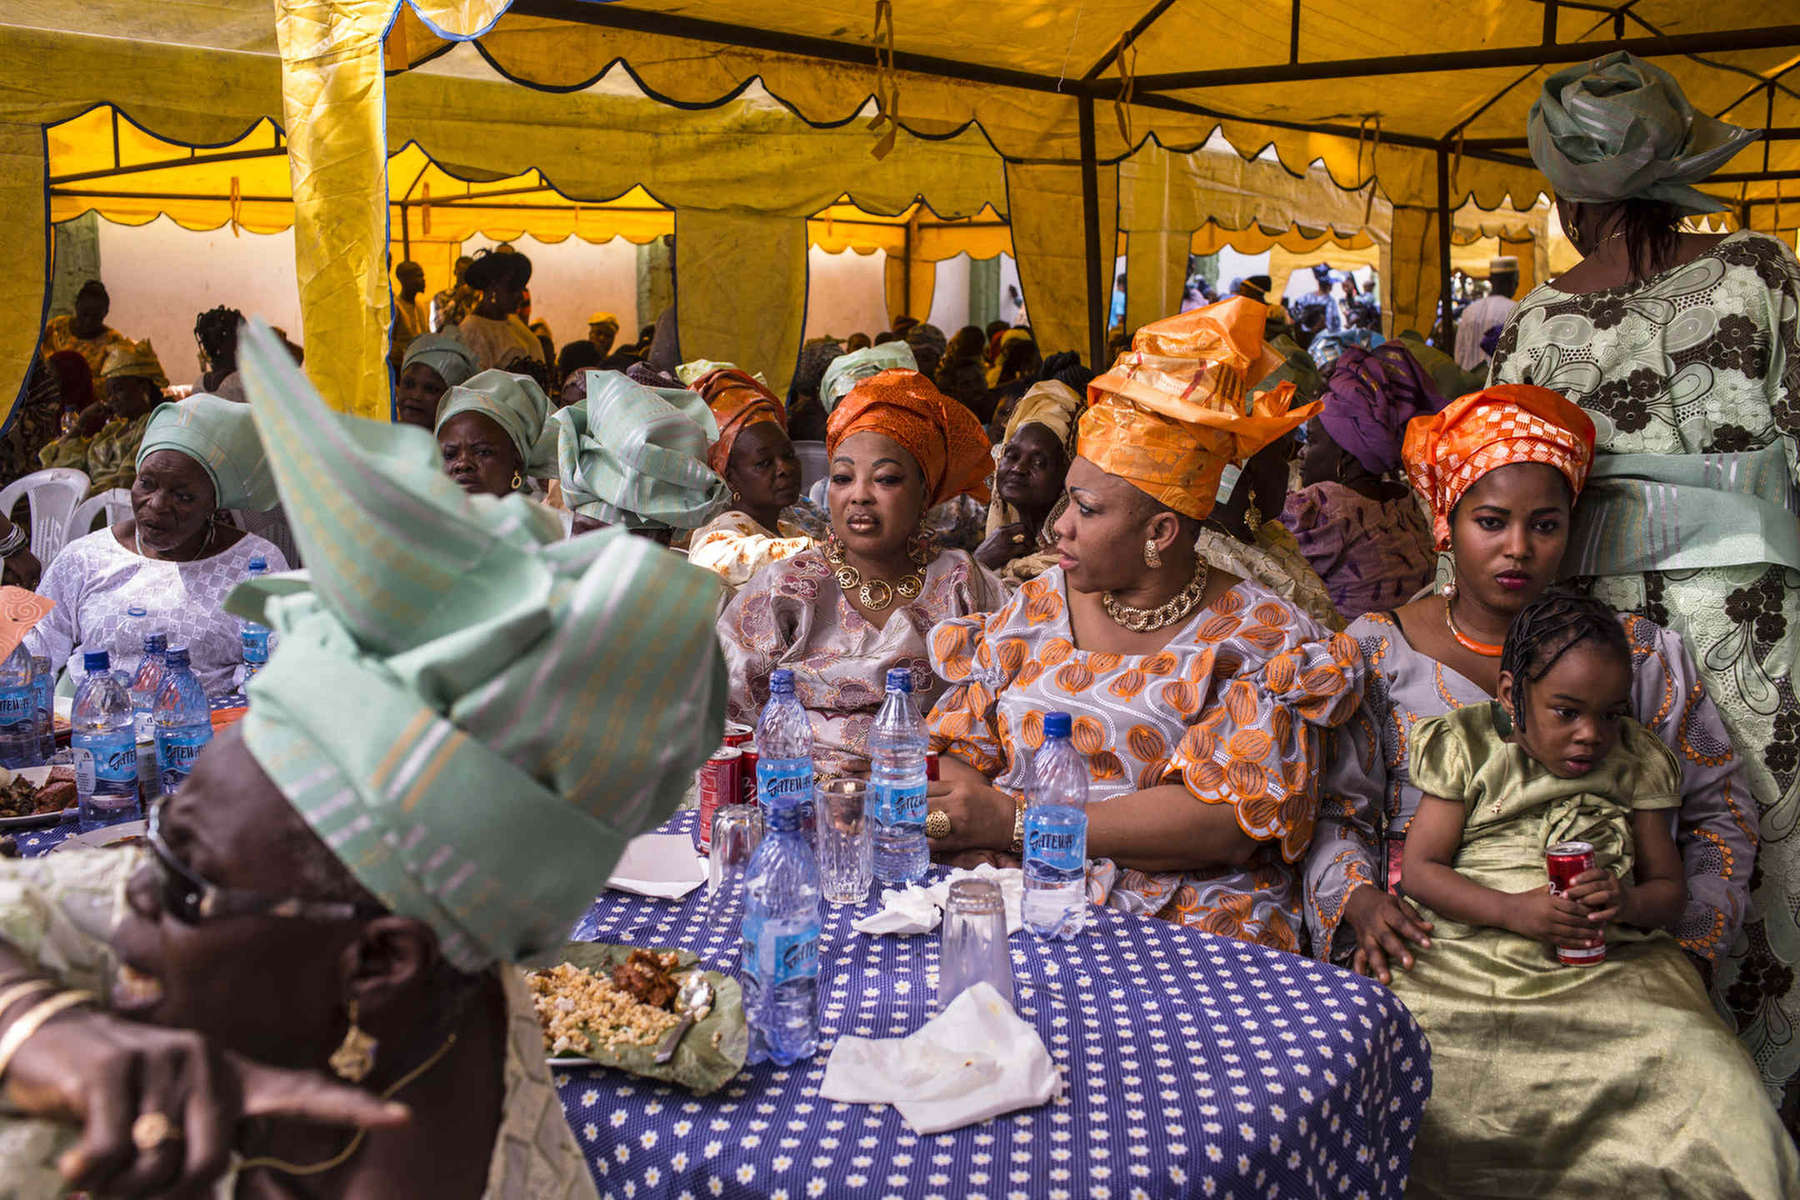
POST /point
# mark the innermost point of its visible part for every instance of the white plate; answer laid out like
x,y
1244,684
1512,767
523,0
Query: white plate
x,y
36,777
104,837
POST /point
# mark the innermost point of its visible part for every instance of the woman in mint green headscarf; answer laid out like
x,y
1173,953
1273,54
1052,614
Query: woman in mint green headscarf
x,y
1684,348
635,456
434,363
465,721
176,556
490,431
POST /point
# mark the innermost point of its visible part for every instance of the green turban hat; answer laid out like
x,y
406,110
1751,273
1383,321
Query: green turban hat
x,y
220,435
636,456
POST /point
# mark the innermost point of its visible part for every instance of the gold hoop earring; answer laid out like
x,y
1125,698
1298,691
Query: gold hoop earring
x,y
355,1056
1152,556
518,481
737,497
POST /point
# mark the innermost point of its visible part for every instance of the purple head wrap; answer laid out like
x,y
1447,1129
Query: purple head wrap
x,y
650,377
1369,397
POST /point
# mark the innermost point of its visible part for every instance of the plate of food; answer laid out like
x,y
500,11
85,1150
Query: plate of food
x,y
35,797
125,833
611,1006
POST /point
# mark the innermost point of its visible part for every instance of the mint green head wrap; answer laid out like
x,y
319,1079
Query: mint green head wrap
x,y
844,371
443,352
636,456
515,403
220,435
1619,128
474,713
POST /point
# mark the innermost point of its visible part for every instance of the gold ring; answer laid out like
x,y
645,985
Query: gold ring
x,y
152,1129
937,824
1018,539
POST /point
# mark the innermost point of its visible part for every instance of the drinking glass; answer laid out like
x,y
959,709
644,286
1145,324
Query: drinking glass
x,y
845,842
972,946
736,831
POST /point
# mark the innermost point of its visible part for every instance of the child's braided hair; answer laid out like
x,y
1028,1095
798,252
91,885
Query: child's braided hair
x,y
1545,630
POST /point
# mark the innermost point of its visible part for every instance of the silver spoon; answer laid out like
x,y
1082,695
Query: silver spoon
x,y
693,1001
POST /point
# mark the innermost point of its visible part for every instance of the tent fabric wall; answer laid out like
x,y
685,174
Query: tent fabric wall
x,y
1044,200
909,293
1155,273
740,289
1415,271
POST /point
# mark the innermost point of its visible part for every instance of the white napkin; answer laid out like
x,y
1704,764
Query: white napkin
x,y
918,909
659,864
973,1061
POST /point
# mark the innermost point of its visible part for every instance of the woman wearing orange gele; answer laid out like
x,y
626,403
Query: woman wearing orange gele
x,y
1199,699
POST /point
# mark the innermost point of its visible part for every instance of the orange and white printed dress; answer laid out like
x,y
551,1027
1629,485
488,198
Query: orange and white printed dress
x,y
1235,707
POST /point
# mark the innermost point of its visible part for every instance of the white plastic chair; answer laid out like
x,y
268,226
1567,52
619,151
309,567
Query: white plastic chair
x,y
53,494
812,463
116,502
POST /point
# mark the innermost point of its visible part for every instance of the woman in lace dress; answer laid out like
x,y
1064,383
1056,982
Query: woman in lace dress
x,y
1685,350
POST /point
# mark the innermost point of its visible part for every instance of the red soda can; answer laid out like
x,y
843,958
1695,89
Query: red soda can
x,y
738,734
1563,862
748,793
931,765
721,782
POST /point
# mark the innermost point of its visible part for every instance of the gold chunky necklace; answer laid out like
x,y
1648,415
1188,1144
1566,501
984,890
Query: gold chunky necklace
x,y
1176,608
876,594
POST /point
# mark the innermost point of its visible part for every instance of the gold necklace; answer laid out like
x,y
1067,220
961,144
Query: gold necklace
x,y
1177,607
343,1156
907,587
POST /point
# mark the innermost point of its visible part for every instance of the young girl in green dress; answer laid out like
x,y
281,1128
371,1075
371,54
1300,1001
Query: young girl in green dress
x,y
1555,759
1552,1079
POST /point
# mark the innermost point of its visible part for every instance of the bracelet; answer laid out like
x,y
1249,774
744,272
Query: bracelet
x,y
20,1031
15,542
19,991
1018,842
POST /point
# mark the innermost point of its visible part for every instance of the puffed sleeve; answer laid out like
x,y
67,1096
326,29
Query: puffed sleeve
x,y
737,550
1440,762
757,629
1257,745
1717,827
973,655
56,636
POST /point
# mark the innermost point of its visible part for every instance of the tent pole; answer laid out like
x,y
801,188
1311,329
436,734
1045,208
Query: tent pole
x,y
1443,231
1090,231
405,236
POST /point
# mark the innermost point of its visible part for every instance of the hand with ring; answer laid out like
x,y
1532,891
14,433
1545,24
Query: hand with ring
x,y
966,811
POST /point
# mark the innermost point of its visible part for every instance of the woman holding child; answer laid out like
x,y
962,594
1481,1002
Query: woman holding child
x,y
1547,1079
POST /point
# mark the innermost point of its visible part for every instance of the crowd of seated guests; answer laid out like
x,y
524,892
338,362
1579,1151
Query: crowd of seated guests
x,y
1343,718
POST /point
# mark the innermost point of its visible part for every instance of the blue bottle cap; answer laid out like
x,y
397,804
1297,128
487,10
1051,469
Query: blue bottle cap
x,y
95,660
899,679
136,610
259,563
1056,724
177,656
156,643
781,682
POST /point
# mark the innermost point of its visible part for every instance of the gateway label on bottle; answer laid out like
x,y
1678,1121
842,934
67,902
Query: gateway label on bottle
x,y
795,956
16,705
1060,844
175,755
784,782
899,805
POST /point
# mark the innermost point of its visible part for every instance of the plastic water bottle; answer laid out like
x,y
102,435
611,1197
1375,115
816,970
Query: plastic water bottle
x,y
780,967
43,687
1055,904
255,637
183,721
897,745
105,745
145,683
20,745
784,749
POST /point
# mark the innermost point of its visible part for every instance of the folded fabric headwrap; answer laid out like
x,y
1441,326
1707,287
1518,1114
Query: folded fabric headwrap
x,y
943,437
690,373
134,360
846,369
1054,405
1496,427
513,402
1370,395
636,456
1183,402
737,402
220,435
519,705
1619,128
445,353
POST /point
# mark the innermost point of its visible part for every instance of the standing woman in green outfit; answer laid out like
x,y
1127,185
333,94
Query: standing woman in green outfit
x,y
1684,349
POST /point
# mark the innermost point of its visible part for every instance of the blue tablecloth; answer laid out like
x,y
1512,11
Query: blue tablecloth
x,y
1193,1065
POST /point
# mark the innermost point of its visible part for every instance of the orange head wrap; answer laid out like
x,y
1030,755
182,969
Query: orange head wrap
x,y
943,436
737,402
1496,427
1182,402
